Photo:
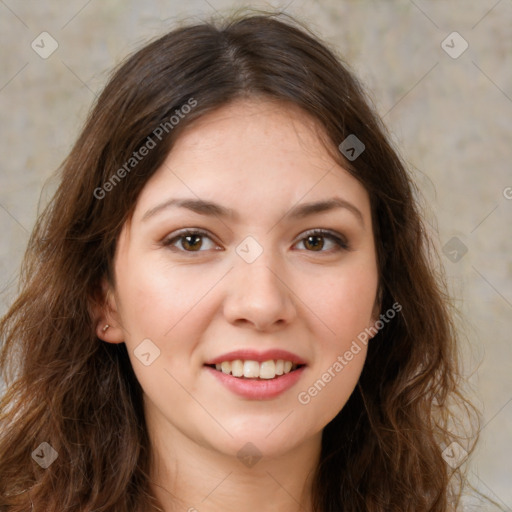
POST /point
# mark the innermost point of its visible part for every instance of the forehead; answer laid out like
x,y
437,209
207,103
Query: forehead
x,y
253,124
252,154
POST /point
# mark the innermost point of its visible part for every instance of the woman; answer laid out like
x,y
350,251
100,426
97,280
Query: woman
x,y
231,290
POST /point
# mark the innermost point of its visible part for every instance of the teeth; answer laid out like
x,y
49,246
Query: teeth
x,y
267,370
253,369
237,368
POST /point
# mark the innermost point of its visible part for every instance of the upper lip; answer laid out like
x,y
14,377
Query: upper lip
x,y
256,355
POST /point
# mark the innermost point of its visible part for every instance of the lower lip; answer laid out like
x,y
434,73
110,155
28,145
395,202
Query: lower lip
x,y
258,389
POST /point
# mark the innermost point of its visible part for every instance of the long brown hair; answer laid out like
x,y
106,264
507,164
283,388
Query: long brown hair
x,y
382,452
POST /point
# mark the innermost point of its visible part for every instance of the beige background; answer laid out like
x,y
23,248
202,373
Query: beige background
x,y
450,117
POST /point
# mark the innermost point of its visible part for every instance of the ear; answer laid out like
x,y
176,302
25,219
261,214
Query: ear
x,y
106,316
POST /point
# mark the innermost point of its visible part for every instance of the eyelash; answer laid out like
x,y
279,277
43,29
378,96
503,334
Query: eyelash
x,y
340,242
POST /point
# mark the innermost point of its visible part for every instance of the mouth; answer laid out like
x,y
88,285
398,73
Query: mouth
x,y
248,369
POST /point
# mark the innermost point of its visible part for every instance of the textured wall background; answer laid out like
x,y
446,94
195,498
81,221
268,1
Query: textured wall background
x,y
450,113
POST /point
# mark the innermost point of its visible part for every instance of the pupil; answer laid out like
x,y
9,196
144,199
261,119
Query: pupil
x,y
314,245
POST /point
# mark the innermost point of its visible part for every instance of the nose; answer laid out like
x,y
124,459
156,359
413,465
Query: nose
x,y
259,296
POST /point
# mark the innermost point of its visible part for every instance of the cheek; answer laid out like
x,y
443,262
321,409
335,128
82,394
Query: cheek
x,y
344,304
157,300
172,307
343,301
339,363
330,388
164,306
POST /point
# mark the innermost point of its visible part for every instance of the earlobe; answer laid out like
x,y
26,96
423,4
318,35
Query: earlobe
x,y
109,333
106,317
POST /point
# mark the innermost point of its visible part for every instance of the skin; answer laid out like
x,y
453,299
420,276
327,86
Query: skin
x,y
260,159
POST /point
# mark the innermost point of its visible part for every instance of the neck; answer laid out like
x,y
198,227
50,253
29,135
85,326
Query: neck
x,y
195,478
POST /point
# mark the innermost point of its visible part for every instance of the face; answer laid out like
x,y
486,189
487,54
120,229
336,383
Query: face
x,y
250,250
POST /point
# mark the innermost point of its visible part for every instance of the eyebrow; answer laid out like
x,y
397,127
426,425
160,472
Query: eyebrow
x,y
210,208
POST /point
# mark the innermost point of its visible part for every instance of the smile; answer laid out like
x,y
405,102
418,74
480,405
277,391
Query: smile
x,y
257,388
250,369
255,374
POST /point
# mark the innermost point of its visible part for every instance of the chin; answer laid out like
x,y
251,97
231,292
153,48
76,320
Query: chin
x,y
260,438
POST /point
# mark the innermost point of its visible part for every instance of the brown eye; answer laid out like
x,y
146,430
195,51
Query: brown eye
x,y
190,241
315,243
317,240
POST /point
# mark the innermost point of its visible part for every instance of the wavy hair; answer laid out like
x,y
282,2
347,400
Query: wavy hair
x,y
382,452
